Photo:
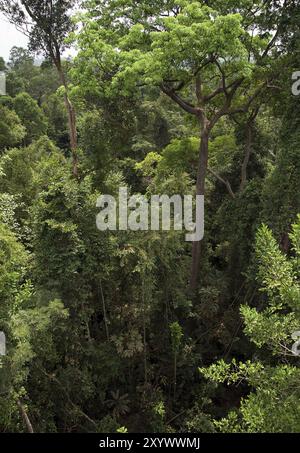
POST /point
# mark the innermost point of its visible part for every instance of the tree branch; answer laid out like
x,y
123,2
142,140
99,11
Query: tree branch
x,y
249,130
213,94
225,109
245,108
223,181
189,108
54,379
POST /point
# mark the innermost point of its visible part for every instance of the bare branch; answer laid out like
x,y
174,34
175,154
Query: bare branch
x,y
213,94
273,40
189,108
223,181
246,106
229,97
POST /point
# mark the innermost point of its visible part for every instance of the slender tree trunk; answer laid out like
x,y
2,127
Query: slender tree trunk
x,y
25,417
249,141
175,376
200,190
247,155
144,332
71,118
104,312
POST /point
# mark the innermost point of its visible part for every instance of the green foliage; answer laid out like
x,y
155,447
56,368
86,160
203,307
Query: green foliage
x,y
184,41
281,192
12,131
12,263
54,110
272,329
103,332
176,336
118,403
122,430
31,116
2,64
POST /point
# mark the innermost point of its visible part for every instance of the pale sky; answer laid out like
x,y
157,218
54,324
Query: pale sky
x,y
9,37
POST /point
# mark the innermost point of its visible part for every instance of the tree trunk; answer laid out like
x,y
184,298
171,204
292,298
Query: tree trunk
x,y
246,160
25,417
73,133
104,312
71,119
200,190
175,376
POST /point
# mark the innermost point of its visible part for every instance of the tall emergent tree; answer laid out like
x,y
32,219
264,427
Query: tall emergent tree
x,y
47,23
208,57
